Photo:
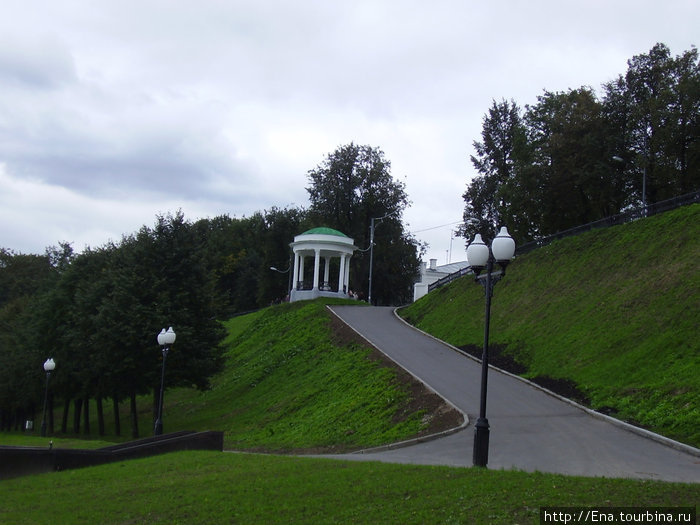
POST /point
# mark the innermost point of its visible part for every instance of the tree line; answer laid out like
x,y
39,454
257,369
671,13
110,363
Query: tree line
x,y
97,313
575,157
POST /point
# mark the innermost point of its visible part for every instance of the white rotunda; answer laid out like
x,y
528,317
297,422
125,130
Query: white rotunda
x,y
331,251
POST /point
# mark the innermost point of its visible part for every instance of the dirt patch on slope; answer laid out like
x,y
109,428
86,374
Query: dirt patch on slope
x,y
500,359
438,415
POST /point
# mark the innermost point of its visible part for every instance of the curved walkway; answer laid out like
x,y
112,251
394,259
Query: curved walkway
x,y
531,430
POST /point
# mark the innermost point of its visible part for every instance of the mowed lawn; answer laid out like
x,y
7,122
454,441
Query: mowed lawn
x,y
225,487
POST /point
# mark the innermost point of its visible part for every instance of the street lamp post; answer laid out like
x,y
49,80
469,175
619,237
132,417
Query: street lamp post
x,y
165,339
371,250
49,367
288,270
371,259
621,161
479,257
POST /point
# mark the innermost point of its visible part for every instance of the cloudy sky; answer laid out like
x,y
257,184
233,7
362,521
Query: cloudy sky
x,y
112,111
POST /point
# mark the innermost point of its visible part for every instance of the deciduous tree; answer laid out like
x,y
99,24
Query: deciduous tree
x,y
347,190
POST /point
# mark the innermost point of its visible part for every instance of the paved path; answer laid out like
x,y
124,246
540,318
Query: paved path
x,y
530,429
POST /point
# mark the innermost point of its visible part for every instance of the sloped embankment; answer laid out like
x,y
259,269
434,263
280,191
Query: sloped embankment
x,y
297,379
613,313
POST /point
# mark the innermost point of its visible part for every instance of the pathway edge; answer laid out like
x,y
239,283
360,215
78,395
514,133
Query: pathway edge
x,y
677,445
413,441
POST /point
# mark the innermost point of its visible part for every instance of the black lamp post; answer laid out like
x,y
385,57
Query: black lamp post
x,y
371,250
622,162
479,257
288,270
165,339
49,367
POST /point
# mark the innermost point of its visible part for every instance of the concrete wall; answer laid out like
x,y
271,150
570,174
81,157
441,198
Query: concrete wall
x,y
21,461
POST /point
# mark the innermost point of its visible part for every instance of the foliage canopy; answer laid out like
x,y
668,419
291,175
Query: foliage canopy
x,y
573,157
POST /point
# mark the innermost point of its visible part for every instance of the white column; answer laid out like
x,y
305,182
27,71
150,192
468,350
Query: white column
x,y
317,268
301,267
326,269
341,275
347,272
296,271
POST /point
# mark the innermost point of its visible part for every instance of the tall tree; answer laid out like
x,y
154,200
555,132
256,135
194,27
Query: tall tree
x,y
665,104
568,134
23,275
650,86
686,122
21,372
102,316
347,190
554,168
280,227
498,192
24,280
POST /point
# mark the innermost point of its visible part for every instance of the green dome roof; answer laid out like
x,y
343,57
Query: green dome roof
x,y
324,231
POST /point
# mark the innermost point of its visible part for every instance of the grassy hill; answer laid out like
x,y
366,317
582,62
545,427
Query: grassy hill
x,y
613,312
295,379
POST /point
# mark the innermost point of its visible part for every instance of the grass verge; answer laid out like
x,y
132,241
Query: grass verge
x,y
210,487
23,439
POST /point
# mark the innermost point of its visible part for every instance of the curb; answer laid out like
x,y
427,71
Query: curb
x,y
677,445
413,441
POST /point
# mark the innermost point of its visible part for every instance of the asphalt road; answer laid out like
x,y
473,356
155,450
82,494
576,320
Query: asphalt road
x,y
531,430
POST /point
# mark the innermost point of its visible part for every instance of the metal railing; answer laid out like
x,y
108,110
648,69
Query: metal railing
x,y
614,220
620,218
449,278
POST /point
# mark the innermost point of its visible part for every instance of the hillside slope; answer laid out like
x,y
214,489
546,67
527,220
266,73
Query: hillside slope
x,y
614,312
296,379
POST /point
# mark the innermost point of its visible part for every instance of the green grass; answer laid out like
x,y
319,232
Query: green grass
x,y
211,487
288,384
615,310
29,440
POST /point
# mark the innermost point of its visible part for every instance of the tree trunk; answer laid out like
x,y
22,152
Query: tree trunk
x,y
64,419
77,407
19,415
100,417
31,415
134,417
86,415
117,423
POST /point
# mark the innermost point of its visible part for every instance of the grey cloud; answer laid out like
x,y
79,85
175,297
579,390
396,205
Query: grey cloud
x,y
224,105
94,166
41,63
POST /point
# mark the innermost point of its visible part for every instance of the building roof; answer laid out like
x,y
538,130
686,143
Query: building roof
x,y
324,231
452,267
447,268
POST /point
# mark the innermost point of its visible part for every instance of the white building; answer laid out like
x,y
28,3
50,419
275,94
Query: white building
x,y
433,273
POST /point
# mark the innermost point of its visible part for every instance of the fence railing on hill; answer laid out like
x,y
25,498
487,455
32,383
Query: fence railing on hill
x,y
620,218
449,278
